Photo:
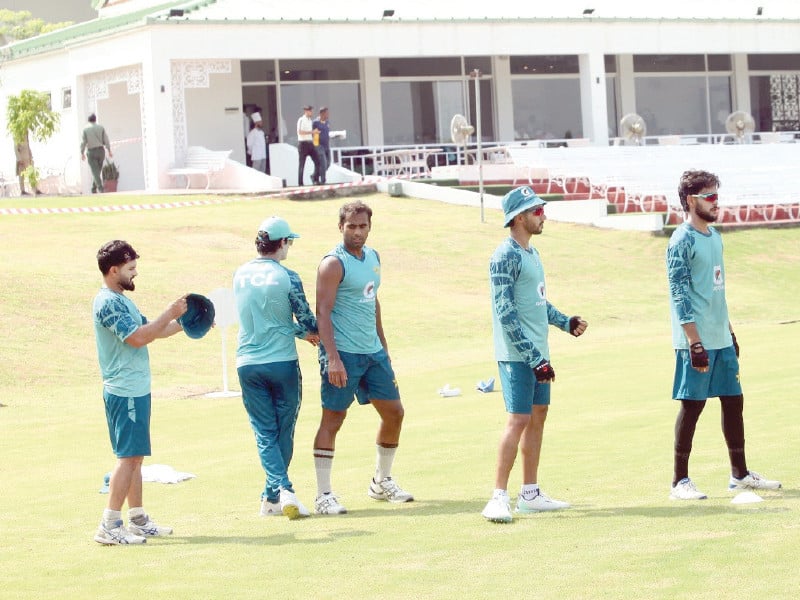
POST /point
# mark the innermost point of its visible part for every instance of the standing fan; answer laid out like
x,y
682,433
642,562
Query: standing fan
x,y
633,128
460,130
740,124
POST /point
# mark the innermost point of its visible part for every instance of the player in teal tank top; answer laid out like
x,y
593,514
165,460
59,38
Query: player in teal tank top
x,y
706,351
354,358
269,297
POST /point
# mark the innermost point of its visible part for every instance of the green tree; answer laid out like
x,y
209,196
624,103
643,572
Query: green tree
x,y
29,115
21,25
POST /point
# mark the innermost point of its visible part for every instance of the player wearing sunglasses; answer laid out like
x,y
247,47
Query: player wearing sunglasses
x,y
521,316
706,351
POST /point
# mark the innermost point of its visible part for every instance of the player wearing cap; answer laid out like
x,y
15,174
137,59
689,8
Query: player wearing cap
x,y
269,297
122,334
305,144
521,315
354,357
706,352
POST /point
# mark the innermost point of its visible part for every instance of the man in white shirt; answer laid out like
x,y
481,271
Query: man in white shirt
x,y
305,141
257,144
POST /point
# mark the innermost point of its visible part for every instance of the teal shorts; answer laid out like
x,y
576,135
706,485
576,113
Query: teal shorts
x,y
521,391
721,379
369,377
128,424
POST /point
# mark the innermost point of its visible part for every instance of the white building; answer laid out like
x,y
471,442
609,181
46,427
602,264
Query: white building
x,y
163,76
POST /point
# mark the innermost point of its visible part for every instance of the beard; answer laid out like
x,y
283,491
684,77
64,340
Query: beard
x,y
706,215
128,285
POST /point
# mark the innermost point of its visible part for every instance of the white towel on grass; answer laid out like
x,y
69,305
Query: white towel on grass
x,y
164,474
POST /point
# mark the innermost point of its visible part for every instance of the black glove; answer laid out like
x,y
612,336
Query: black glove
x,y
735,344
699,355
573,324
544,372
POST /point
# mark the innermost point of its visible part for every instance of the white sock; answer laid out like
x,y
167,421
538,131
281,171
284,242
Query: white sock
x,y
529,490
385,458
110,517
323,464
137,515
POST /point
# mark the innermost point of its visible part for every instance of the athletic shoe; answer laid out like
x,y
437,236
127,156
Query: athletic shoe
x,y
387,489
116,535
685,490
148,528
328,504
538,502
753,481
291,506
498,509
269,509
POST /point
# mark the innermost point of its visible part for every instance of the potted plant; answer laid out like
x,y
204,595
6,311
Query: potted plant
x,y
110,174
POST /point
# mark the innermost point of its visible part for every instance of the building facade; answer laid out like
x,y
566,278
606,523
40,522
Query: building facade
x,y
162,76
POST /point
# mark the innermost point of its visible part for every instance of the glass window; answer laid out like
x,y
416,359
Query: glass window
x,y
543,65
719,62
342,99
672,105
546,108
719,98
482,63
668,63
420,67
773,62
487,109
319,70
611,106
419,112
775,102
611,63
258,70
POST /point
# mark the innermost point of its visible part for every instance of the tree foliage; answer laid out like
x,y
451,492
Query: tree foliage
x,y
29,115
21,25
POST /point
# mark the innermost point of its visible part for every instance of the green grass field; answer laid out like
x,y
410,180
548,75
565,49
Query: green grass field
x,y
607,449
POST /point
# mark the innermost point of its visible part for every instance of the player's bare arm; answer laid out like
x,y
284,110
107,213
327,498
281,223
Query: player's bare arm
x,y
329,275
164,326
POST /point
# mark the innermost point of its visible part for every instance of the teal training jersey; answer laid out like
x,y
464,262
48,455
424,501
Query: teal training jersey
x,y
268,297
125,369
521,313
353,314
696,277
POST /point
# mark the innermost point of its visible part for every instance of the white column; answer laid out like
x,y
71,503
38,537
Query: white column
x,y
371,101
593,97
504,104
741,83
157,116
627,89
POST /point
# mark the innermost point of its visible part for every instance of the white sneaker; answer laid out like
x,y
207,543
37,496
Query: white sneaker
x,y
116,535
753,481
387,489
328,504
498,509
291,506
686,490
538,502
148,528
270,509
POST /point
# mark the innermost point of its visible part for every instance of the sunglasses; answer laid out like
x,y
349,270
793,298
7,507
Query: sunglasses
x,y
712,197
536,211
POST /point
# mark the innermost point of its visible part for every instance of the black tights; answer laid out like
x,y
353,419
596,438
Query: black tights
x,y
732,429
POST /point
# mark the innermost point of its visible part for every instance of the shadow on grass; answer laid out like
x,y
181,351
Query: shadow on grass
x,y
303,536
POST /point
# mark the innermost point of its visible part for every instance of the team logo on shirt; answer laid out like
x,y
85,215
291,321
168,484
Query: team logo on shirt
x,y
542,291
718,282
369,291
